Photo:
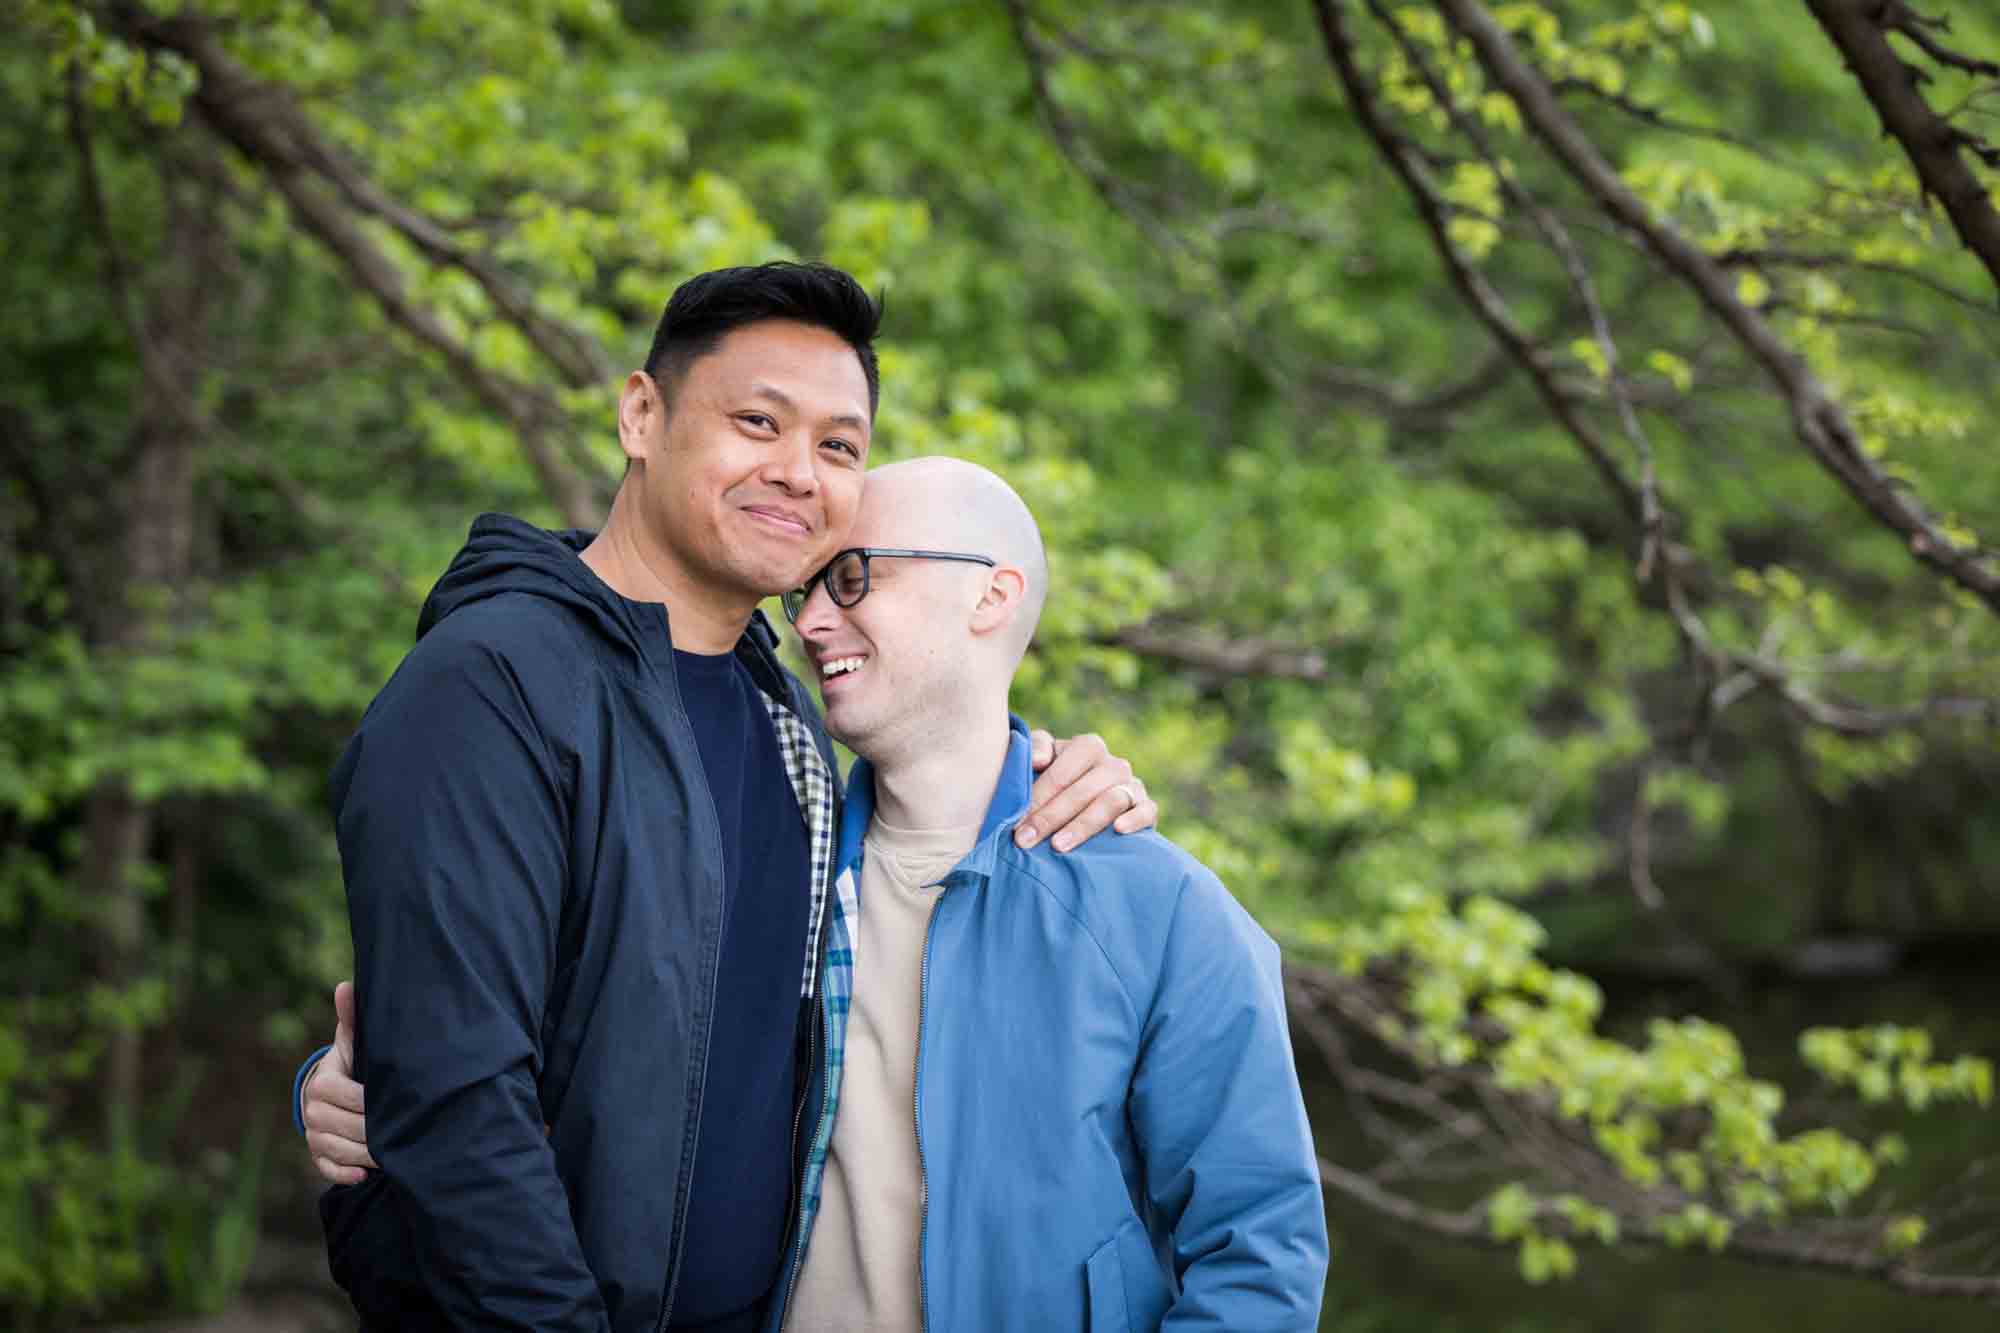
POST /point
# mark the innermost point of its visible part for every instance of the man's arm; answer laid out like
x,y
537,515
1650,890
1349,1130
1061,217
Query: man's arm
x,y
450,812
1082,789
1222,1128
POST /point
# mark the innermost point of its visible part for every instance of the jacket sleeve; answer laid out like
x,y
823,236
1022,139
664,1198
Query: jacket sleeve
x,y
1215,1105
450,809
299,1088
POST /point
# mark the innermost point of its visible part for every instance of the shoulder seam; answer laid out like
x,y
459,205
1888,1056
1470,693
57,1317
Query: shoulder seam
x,y
1124,986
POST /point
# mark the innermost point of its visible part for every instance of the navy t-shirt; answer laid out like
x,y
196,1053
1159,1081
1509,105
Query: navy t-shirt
x,y
741,1193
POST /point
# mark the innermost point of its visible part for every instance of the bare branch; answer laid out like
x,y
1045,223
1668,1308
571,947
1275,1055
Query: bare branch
x,y
1469,1225
1860,28
1899,17
1227,657
1821,425
1520,1129
1652,516
1736,672
1069,138
1777,257
572,351
1658,119
1479,293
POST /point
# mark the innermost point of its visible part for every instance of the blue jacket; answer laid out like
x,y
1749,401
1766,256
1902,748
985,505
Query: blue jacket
x,y
1108,1119
534,880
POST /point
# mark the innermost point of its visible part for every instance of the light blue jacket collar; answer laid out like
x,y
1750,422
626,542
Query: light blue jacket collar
x,y
1009,803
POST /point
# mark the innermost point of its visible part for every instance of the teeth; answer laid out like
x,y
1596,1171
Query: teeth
x,y
840,666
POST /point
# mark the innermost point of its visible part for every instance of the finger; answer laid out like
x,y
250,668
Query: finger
x,y
1056,799
340,1058
341,1152
1139,818
1041,749
343,1026
325,1122
1083,773
336,1090
1093,819
1071,760
338,1174
338,1149
1144,814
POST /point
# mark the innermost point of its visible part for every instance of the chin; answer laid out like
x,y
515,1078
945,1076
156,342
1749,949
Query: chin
x,y
768,579
845,728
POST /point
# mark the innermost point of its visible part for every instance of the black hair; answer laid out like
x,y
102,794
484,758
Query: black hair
x,y
709,306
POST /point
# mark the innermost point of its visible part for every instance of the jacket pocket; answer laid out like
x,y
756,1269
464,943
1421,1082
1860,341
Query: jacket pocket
x,y
1128,1292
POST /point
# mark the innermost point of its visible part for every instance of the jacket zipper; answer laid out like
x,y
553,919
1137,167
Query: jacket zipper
x,y
826,1079
825,1100
694,1121
799,1111
825,1091
917,1120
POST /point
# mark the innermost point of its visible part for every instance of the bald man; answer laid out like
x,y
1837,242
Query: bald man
x,y
1058,1091
1065,1096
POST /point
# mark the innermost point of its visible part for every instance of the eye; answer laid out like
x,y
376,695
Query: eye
x,y
844,580
852,450
758,420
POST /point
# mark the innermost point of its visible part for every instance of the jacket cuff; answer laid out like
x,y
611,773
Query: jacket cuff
x,y
299,1087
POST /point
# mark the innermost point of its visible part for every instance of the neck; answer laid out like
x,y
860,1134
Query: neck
x,y
947,782
704,619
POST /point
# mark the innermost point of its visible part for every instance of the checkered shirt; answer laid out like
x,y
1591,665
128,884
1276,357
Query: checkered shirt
x,y
812,785
838,995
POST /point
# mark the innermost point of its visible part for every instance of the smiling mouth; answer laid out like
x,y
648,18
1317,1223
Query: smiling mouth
x,y
781,520
840,666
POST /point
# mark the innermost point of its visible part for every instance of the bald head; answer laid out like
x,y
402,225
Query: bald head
x,y
950,504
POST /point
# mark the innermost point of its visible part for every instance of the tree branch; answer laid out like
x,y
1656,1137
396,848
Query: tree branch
x,y
1778,257
1899,17
1819,421
263,123
1485,301
1511,1123
1226,657
1860,28
1652,515
1732,669
1469,1225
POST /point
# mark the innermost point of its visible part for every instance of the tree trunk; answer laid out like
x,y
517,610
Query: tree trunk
x,y
154,556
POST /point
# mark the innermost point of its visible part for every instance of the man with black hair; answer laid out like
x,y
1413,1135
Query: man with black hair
x,y
586,831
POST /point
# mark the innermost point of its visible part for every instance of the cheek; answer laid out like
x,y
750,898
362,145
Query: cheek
x,y
840,497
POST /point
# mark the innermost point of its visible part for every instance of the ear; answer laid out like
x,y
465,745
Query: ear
x,y
642,415
1006,589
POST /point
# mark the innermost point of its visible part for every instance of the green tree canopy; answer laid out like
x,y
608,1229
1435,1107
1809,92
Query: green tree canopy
x,y
1515,475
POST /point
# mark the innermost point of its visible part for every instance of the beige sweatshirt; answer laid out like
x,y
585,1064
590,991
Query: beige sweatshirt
x,y
860,1270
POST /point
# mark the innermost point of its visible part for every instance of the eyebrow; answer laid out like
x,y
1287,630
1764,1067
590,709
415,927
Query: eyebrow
x,y
783,399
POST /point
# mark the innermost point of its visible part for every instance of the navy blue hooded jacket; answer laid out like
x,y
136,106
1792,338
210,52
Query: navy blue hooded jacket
x,y
535,881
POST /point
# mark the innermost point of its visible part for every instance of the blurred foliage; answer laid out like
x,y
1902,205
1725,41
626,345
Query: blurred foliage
x,y
1327,571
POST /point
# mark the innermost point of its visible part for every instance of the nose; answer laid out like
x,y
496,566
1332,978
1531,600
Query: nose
x,y
790,464
819,617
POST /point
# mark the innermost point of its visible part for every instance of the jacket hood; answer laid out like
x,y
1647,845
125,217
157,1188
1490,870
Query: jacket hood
x,y
503,554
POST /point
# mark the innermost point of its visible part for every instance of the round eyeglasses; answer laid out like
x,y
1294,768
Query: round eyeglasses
x,y
846,575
